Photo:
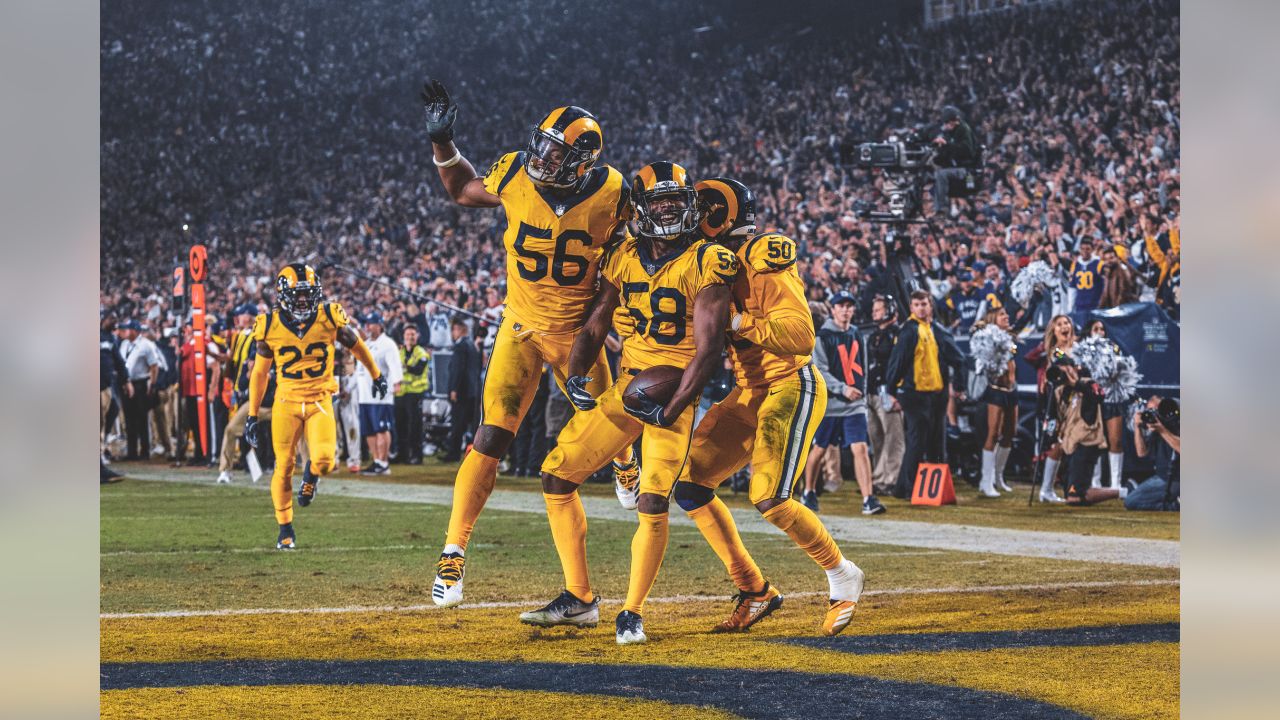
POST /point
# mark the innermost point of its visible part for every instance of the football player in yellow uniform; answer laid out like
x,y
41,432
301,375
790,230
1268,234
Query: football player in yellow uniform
x,y
298,336
562,212
675,286
769,419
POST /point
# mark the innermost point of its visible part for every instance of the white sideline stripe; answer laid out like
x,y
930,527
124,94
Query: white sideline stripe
x,y
906,533
672,599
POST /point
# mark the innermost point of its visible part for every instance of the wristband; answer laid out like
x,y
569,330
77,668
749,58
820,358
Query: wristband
x,y
457,158
736,322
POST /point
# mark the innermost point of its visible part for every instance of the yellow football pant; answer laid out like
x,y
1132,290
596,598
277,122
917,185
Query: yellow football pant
x,y
584,446
292,420
772,426
511,381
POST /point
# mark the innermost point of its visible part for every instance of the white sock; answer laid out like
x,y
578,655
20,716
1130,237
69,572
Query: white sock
x,y
1097,474
451,548
845,579
1002,460
1117,468
1050,469
988,471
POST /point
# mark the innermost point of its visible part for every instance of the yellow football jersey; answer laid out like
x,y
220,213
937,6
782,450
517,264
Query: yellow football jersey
x,y
659,294
303,353
554,241
768,286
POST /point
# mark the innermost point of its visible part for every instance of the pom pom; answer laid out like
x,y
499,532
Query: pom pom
x,y
1035,276
991,349
1117,374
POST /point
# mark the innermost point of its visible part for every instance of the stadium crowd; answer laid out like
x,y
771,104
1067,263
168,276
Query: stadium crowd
x,y
291,131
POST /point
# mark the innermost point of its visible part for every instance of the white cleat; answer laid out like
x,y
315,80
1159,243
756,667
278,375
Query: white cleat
x,y
224,478
626,484
446,591
566,609
629,628
844,598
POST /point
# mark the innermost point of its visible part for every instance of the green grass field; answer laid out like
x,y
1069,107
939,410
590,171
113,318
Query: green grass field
x,y
208,551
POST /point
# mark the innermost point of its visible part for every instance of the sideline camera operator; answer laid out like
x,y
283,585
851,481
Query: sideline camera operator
x,y
955,158
1159,418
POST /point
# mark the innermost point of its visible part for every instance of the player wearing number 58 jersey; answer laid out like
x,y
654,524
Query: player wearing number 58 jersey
x,y
675,288
769,419
298,339
563,212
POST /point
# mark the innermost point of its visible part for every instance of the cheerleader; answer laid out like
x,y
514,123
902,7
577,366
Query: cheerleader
x,y
1119,383
992,348
1059,337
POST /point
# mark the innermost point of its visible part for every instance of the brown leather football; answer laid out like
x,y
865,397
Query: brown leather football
x,y
659,383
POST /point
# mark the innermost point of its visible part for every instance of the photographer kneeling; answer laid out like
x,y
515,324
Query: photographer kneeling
x,y
1076,411
1160,418
957,156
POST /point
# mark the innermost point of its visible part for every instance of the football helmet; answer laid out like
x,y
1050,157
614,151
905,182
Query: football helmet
x,y
728,210
664,200
563,147
299,289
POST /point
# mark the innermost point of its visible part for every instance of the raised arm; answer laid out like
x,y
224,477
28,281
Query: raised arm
x,y
710,314
460,180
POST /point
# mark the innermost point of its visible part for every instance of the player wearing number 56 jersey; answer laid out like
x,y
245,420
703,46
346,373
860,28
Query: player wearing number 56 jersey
x,y
675,287
769,419
298,339
563,212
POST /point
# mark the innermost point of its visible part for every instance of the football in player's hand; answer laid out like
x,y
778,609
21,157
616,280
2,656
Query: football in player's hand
x,y
658,383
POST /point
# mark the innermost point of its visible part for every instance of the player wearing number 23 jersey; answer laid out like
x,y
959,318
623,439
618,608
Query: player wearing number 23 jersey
x,y
562,211
298,339
769,419
676,288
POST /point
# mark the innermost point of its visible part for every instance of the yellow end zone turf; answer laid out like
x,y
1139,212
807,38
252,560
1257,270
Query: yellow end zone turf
x,y
382,701
1120,681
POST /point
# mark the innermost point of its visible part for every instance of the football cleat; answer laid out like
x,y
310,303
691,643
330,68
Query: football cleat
x,y
750,609
446,591
286,539
844,599
307,492
566,609
626,483
630,628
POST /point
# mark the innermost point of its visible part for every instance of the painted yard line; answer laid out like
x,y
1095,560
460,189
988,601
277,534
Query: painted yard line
x,y
907,533
672,599
270,550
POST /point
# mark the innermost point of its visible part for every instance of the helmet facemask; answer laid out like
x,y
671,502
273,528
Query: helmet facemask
x,y
553,163
668,211
301,300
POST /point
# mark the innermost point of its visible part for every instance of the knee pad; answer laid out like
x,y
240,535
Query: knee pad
x,y
691,496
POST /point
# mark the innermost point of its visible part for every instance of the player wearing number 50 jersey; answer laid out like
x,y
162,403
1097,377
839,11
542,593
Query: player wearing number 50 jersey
x,y
769,419
563,212
298,338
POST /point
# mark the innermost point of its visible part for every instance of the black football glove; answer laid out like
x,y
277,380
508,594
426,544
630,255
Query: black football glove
x,y
651,412
440,112
380,387
578,395
251,431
